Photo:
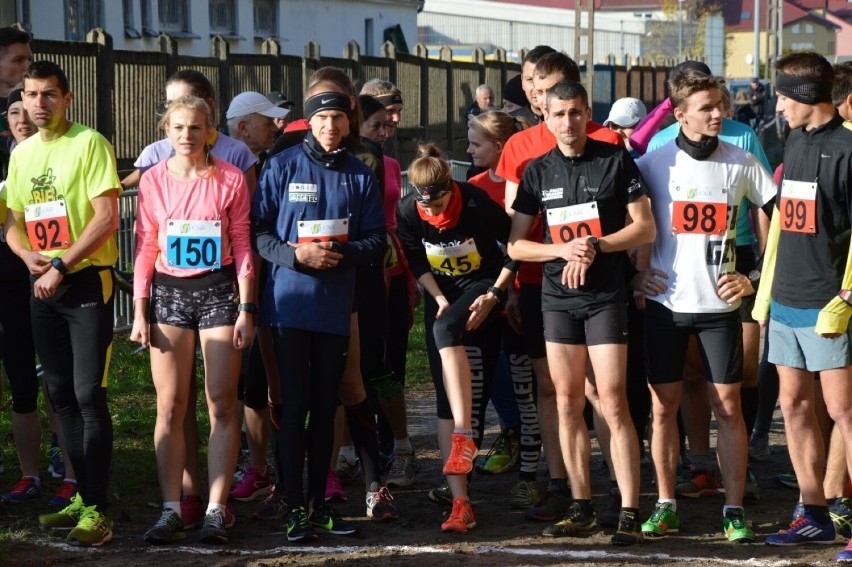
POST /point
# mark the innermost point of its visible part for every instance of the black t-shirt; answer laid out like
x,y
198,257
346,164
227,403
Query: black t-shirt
x,y
809,267
462,255
605,179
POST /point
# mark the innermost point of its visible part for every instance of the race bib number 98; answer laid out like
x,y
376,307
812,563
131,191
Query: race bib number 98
x,y
454,260
699,210
47,226
194,244
798,206
567,223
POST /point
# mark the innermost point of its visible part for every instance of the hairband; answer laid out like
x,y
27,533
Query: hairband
x,y
431,192
802,89
327,101
389,99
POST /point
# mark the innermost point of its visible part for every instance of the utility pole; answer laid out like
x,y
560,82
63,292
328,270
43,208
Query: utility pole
x,y
756,72
587,7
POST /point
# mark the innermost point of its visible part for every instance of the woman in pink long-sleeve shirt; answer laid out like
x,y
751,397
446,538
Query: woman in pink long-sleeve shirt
x,y
193,272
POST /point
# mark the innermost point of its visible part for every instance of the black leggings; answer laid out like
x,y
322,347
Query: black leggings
x,y
481,346
310,366
16,345
73,335
399,323
638,394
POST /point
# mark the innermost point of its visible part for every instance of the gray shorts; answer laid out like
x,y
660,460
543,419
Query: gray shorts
x,y
204,308
801,347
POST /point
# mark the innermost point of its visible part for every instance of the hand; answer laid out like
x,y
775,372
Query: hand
x,y
36,263
513,312
479,310
579,250
140,333
443,305
243,330
639,300
574,273
763,323
317,255
47,284
731,287
650,282
831,335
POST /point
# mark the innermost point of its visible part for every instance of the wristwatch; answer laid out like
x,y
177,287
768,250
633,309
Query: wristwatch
x,y
248,307
846,296
498,293
59,266
596,243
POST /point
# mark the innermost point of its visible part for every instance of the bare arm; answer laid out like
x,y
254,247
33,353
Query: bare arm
x,y
511,193
132,179
641,231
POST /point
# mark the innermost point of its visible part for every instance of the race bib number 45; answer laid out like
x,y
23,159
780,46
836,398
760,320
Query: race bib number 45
x,y
457,260
194,243
47,226
567,223
798,206
336,230
699,209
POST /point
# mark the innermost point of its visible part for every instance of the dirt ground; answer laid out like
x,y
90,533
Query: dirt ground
x,y
502,537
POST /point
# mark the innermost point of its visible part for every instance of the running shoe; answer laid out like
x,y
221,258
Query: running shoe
x,y
168,528
380,504
698,484
804,530
25,489
503,456
334,488
403,470
325,519
93,530
628,532
216,524
253,485
461,456
799,510
788,479
524,495
441,495
575,523
553,507
752,492
63,496
845,556
65,519
841,516
346,471
273,508
461,518
663,521
56,468
611,517
240,472
758,448
192,511
736,528
298,526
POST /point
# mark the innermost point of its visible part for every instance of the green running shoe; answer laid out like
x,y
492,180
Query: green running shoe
x,y
93,530
504,455
736,527
65,519
663,521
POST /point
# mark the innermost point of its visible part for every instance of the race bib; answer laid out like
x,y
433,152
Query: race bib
x,y
47,226
323,231
699,209
798,206
567,223
391,256
194,243
454,260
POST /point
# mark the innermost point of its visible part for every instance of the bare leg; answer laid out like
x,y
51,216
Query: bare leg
x,y
804,440
665,441
732,446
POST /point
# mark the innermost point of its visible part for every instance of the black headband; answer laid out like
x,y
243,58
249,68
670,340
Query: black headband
x,y
14,96
802,89
327,101
431,192
389,99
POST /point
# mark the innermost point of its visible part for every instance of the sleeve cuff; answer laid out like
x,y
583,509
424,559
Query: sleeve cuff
x,y
834,317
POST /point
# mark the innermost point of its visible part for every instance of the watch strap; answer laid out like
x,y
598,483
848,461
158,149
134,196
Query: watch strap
x,y
248,307
498,293
59,266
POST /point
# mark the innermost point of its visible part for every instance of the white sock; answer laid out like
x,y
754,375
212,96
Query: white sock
x,y
466,432
402,446
214,506
725,509
671,501
173,506
35,478
348,452
71,480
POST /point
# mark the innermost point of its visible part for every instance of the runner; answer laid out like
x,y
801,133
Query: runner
x,y
62,223
691,281
584,190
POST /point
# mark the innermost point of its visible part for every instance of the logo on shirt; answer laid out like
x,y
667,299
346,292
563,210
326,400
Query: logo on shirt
x,y
552,194
634,186
302,193
43,190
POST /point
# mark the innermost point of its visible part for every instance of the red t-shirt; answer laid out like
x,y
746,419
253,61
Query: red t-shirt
x,y
495,189
521,149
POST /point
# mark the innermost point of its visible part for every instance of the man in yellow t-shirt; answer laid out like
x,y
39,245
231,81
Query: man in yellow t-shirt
x,y
62,193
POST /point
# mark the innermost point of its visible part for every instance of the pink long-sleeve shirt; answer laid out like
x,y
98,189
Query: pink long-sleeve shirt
x,y
222,196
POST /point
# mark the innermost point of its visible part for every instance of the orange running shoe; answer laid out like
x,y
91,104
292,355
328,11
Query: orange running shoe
x,y
461,518
461,456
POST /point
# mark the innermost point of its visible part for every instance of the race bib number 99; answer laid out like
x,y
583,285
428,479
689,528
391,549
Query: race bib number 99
x,y
454,260
798,206
567,223
194,244
47,226
699,210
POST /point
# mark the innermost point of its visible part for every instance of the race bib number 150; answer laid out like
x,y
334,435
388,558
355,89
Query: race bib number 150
x,y
194,244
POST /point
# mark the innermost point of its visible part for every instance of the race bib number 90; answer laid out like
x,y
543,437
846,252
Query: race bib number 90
x,y
454,260
699,210
798,206
47,226
336,230
194,244
567,223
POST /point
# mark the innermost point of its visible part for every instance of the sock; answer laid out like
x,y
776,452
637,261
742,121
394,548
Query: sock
x,y
348,452
466,432
402,446
214,506
35,478
173,506
671,501
585,505
818,513
725,509
831,501
558,485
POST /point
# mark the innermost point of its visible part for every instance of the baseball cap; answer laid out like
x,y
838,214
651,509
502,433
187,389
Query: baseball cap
x,y
626,112
251,102
279,99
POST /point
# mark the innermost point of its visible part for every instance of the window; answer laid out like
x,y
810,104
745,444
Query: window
x,y
802,45
147,25
796,29
130,28
174,15
82,16
223,17
369,38
746,15
266,18
809,28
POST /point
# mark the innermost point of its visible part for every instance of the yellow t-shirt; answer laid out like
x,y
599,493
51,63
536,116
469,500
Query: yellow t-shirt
x,y
63,175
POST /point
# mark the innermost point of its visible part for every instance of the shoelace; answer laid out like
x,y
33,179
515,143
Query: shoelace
x,y
500,445
627,523
21,486
738,521
169,519
90,518
66,490
659,511
215,518
383,495
459,511
795,524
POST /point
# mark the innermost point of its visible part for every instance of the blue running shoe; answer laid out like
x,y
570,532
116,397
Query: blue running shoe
x,y
845,556
56,468
841,515
803,531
